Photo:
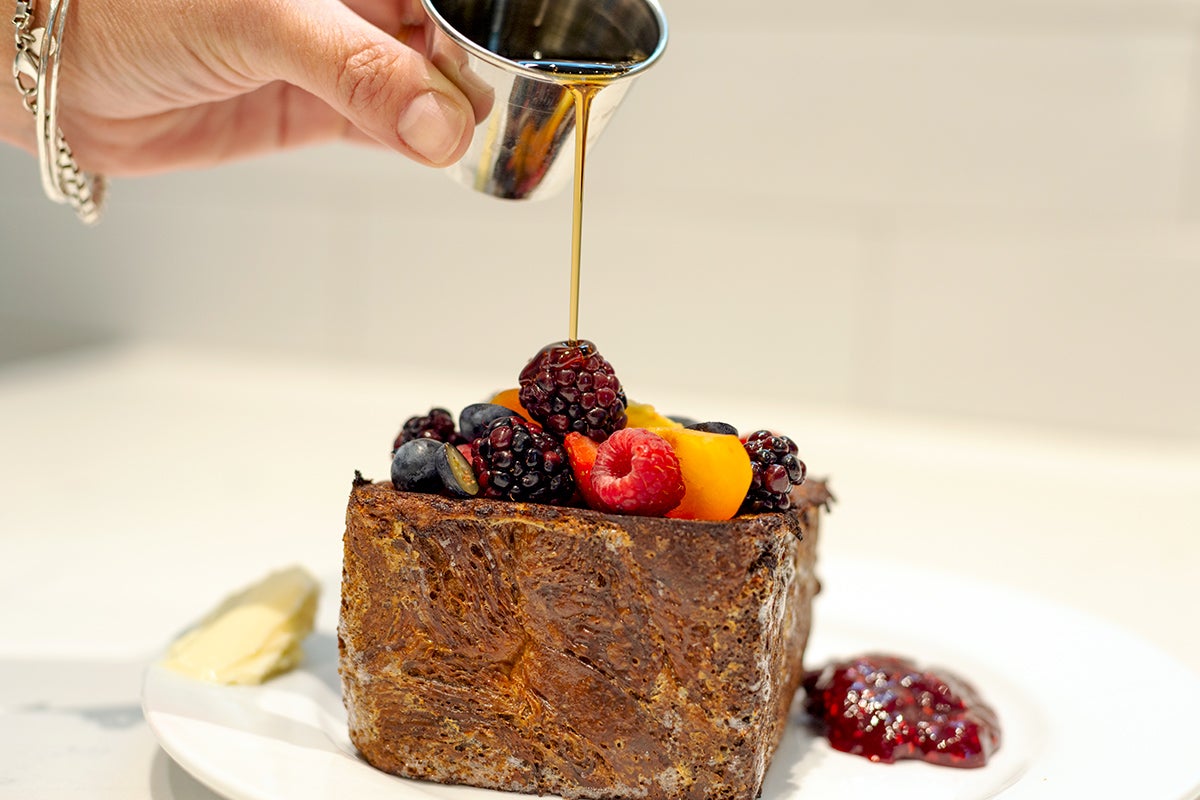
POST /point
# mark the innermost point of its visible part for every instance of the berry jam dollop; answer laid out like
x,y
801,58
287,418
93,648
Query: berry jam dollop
x,y
885,708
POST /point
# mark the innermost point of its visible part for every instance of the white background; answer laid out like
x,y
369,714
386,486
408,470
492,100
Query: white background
x,y
937,207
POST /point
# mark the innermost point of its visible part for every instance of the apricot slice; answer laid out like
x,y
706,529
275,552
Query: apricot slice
x,y
644,415
716,473
511,398
581,452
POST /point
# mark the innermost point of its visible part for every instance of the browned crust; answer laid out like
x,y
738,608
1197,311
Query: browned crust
x,y
540,649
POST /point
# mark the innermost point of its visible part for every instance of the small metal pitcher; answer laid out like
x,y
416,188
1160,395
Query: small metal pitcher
x,y
527,51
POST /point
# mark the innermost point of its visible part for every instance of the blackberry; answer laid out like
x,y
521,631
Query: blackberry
x,y
438,424
516,460
776,470
569,386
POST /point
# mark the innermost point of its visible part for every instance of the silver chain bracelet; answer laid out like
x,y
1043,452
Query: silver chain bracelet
x,y
35,70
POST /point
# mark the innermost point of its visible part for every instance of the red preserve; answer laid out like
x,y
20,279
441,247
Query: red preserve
x,y
885,708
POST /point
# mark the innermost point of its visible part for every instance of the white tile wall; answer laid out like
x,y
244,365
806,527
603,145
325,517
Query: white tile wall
x,y
1068,327
690,15
933,206
1015,125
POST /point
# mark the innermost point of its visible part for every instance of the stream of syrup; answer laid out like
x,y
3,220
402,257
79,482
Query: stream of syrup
x,y
584,80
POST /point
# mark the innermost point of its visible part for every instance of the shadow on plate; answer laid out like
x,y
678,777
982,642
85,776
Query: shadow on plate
x,y
321,660
169,781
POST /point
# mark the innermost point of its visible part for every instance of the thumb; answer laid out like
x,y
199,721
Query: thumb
x,y
387,90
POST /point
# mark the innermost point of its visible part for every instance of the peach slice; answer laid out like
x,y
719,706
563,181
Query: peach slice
x,y
511,399
644,415
581,451
716,473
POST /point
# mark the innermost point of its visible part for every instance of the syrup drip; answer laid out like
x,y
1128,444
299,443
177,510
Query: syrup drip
x,y
584,80
584,93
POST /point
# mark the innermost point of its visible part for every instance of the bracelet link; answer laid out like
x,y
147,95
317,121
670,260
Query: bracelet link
x,y
26,64
35,72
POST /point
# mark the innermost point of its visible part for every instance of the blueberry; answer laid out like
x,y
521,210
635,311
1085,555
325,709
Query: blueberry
x,y
455,472
714,427
414,466
475,418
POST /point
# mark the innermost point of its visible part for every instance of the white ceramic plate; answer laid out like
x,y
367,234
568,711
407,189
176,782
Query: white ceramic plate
x,y
1086,710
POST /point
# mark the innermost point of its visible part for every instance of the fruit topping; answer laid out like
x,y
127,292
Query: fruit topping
x,y
438,424
545,441
427,465
582,452
716,473
569,386
517,460
414,466
714,427
511,398
776,471
475,418
644,415
885,708
455,472
637,472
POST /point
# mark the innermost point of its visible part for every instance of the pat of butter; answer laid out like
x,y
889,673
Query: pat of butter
x,y
253,634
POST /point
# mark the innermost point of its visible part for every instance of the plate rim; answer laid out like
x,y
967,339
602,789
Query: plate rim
x,y
848,605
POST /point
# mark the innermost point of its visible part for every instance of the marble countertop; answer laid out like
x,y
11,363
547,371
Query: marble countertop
x,y
142,483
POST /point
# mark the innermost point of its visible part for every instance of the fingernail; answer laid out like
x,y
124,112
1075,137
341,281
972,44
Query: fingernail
x,y
433,126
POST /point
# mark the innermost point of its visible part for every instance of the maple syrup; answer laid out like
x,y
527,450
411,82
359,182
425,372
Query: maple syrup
x,y
584,80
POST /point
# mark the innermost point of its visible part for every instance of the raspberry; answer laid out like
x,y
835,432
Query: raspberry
x,y
437,424
517,460
569,386
776,471
637,472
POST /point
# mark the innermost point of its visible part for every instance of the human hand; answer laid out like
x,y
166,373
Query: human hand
x,y
154,85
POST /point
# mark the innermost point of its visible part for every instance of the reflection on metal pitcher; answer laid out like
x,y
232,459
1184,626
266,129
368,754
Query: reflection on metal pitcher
x,y
529,51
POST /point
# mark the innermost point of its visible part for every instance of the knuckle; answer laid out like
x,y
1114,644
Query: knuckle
x,y
367,77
